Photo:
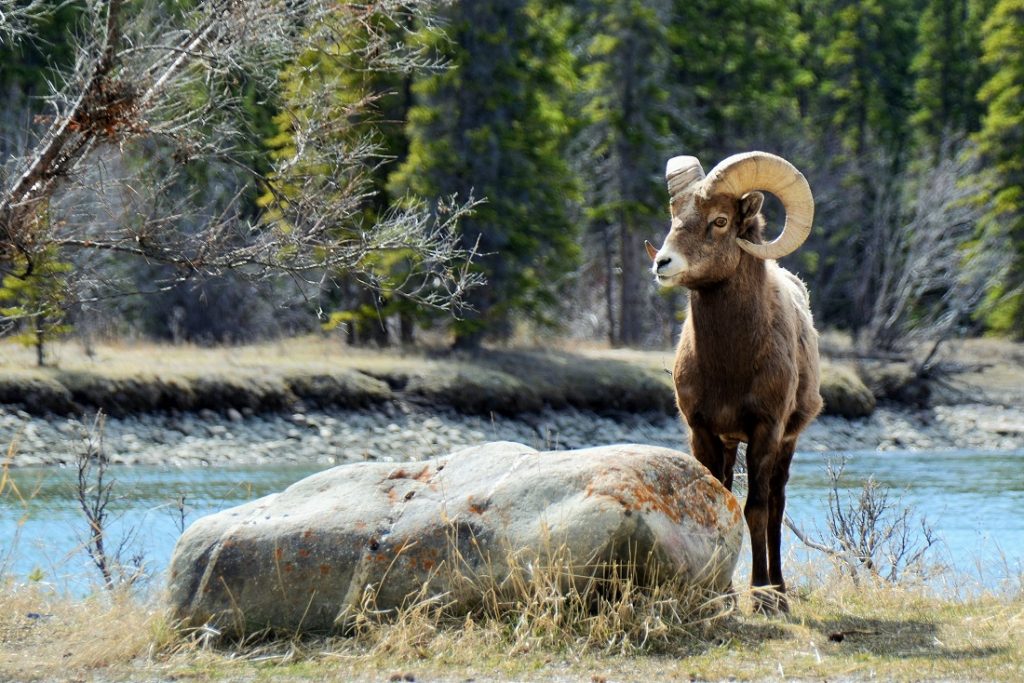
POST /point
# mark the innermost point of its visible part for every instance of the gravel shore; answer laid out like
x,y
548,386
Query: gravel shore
x,y
397,433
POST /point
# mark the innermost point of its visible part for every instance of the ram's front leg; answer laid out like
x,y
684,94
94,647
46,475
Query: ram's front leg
x,y
762,452
776,515
707,448
709,451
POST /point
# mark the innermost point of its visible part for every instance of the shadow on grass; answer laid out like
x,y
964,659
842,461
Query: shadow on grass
x,y
896,638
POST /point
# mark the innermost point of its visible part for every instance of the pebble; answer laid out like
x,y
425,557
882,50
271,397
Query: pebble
x,y
389,435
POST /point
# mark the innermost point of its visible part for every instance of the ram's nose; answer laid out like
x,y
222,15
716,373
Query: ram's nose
x,y
668,263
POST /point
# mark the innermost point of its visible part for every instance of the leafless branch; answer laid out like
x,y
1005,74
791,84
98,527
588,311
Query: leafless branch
x,y
93,492
870,531
158,95
929,281
16,18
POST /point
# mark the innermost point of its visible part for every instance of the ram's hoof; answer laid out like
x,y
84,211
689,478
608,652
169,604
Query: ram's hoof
x,y
770,602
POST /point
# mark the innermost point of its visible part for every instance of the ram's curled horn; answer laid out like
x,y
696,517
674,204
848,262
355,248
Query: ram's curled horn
x,y
743,173
682,174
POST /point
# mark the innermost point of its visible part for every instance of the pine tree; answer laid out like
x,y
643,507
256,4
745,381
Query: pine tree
x,y
1001,143
862,53
489,126
330,100
36,294
623,147
948,72
738,65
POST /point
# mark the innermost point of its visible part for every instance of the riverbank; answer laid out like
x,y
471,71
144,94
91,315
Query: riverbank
x,y
310,400
390,433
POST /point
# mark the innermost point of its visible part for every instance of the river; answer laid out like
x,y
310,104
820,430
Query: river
x,y
974,501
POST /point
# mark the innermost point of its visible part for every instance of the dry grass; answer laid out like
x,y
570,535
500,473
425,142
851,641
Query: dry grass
x,y
538,631
124,378
128,358
44,634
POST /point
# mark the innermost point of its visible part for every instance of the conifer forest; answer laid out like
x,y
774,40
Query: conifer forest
x,y
488,170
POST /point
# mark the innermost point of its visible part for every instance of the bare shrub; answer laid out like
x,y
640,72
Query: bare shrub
x,y
933,271
118,566
17,17
870,531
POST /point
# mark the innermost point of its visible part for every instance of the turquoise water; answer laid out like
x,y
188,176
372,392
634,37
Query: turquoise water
x,y
973,500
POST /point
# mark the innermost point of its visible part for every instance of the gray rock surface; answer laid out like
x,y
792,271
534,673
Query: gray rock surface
x,y
304,559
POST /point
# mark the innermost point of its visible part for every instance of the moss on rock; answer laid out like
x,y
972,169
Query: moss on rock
x,y
844,393
340,389
473,389
36,393
896,382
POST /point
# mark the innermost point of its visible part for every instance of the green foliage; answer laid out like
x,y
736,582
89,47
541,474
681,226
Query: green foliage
x,y
37,296
490,126
1001,142
865,49
627,115
560,115
33,63
740,62
857,118
947,70
329,99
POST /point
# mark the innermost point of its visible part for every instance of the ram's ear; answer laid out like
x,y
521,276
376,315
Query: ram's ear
x,y
750,205
652,251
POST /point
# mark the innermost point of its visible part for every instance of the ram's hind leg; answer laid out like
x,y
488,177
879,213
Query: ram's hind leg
x,y
729,448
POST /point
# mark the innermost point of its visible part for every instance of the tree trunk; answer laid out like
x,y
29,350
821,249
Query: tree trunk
x,y
608,252
406,328
468,341
37,324
630,299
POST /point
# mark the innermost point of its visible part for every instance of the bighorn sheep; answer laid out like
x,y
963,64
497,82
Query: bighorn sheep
x,y
746,367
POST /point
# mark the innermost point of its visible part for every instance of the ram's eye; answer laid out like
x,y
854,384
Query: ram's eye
x,y
721,222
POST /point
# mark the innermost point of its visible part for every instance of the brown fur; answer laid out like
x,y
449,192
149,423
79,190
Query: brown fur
x,y
746,367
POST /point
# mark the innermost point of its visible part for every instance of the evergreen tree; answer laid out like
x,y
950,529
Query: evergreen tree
x,y
947,71
865,55
623,147
36,294
860,113
489,126
736,70
1001,142
329,99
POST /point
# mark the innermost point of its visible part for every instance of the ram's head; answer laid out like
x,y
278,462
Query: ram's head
x,y
715,219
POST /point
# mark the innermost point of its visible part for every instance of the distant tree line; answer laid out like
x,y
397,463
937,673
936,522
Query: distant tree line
x,y
488,169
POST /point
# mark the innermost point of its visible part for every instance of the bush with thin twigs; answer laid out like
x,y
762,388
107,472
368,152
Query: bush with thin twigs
x,y
93,492
870,531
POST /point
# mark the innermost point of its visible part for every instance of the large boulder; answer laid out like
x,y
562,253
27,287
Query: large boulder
x,y
306,558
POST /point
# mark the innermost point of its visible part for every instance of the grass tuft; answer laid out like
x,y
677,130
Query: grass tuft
x,y
531,628
545,603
